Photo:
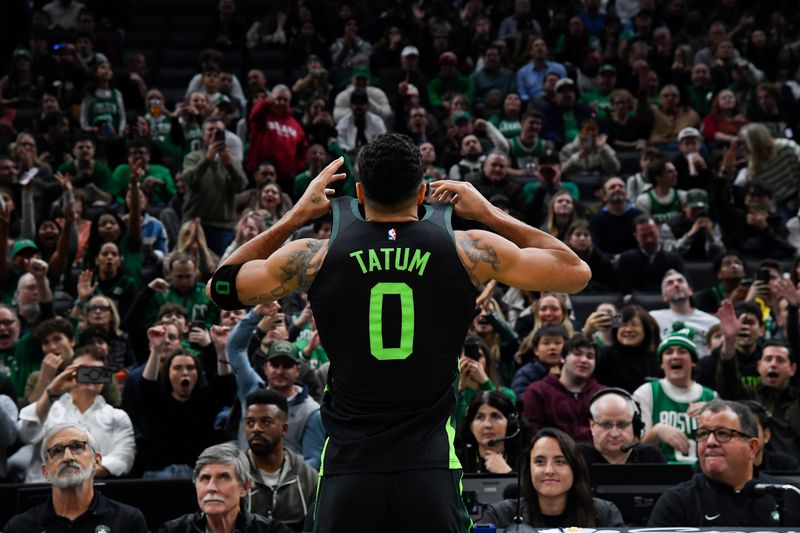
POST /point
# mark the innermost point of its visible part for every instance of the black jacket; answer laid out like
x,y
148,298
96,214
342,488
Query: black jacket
x,y
636,272
102,512
245,523
502,514
702,502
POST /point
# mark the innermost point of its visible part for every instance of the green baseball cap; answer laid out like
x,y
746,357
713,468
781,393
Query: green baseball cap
x,y
23,244
284,349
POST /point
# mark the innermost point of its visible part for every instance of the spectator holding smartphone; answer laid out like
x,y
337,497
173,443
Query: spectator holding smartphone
x,y
67,400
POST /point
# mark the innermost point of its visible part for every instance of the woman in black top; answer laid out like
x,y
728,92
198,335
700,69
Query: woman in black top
x,y
490,417
631,358
555,489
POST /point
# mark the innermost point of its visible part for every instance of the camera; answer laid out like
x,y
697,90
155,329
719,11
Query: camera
x,y
94,374
547,172
219,136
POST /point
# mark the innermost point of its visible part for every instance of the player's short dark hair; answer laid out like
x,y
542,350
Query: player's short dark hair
x,y
390,169
268,397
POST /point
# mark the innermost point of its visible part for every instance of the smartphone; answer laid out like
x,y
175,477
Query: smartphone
x,y
94,374
472,351
764,275
197,324
746,282
219,136
616,321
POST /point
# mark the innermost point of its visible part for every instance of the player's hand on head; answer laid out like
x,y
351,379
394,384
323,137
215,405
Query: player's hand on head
x,y
315,202
465,198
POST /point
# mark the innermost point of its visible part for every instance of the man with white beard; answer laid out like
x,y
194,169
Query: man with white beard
x,y
69,461
675,290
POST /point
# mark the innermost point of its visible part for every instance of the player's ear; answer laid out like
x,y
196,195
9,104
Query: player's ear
x,y
421,193
360,193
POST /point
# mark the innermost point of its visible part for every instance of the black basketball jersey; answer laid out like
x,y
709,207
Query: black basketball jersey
x,y
392,302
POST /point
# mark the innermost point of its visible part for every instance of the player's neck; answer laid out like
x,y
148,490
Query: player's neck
x,y
408,214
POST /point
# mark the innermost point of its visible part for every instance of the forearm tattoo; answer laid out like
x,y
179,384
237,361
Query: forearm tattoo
x,y
476,253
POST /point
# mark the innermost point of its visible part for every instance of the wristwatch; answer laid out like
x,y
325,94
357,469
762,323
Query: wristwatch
x,y
52,396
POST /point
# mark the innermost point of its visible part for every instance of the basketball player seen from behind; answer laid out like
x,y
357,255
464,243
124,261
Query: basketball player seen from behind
x,y
392,291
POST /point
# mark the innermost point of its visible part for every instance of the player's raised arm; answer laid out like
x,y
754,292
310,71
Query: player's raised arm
x,y
517,255
261,270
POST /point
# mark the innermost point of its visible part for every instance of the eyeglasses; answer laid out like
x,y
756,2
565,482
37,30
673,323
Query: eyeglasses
x,y
75,446
608,425
720,434
100,308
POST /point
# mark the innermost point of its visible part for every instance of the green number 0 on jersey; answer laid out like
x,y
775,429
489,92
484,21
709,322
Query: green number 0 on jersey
x,y
376,347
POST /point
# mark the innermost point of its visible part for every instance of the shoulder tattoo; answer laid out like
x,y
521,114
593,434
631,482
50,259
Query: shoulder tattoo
x,y
477,253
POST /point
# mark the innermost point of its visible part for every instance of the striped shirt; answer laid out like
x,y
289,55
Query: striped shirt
x,y
781,173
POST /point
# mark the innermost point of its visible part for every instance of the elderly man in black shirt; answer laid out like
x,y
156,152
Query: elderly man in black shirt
x,y
70,460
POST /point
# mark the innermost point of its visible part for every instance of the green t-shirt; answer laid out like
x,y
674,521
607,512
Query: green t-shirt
x,y
163,192
571,127
530,189
597,100
510,128
160,134
196,303
101,172
18,363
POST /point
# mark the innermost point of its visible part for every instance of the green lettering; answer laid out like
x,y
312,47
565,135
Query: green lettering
x,y
374,263
401,255
387,263
419,262
357,255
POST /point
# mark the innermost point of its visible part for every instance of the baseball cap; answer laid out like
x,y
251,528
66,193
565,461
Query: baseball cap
x,y
411,90
313,57
283,349
549,157
409,51
448,58
681,335
361,71
23,244
461,115
608,69
565,83
686,133
696,198
22,52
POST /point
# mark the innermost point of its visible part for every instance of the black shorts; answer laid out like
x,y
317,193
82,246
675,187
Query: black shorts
x,y
417,500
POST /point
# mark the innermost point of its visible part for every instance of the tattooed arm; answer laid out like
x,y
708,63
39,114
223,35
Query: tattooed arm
x,y
271,271
517,254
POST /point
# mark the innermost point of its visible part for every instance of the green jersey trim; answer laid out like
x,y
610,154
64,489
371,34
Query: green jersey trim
x,y
335,225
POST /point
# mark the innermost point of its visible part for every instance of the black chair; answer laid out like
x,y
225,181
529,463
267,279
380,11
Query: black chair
x,y
649,300
584,304
700,275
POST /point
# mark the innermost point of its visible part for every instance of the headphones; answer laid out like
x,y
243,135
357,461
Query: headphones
x,y
638,425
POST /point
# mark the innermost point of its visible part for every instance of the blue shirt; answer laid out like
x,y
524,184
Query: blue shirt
x,y
531,79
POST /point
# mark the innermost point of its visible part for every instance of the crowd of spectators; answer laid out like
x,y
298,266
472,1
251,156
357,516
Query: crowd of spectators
x,y
651,137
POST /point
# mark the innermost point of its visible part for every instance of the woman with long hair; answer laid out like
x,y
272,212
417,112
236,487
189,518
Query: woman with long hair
x,y
549,309
631,358
555,491
579,238
192,240
273,202
490,325
491,416
101,311
774,164
250,224
724,120
561,214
